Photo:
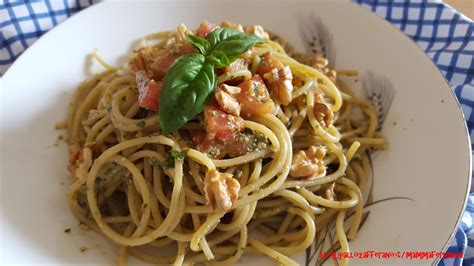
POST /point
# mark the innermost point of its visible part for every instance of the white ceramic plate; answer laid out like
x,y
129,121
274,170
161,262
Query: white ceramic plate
x,y
428,159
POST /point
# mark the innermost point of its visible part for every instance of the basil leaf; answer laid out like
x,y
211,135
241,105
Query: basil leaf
x,y
186,89
221,34
231,42
201,44
219,59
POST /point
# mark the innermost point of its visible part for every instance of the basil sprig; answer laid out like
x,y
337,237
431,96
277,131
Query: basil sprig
x,y
191,79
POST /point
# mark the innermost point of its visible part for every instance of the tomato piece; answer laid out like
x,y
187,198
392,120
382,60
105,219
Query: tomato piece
x,y
220,125
218,149
267,64
161,66
205,28
214,148
254,98
149,91
237,147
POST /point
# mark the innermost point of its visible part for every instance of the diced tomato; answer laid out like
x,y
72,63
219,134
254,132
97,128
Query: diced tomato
x,y
161,66
149,91
267,64
214,148
221,126
237,147
205,28
254,98
218,149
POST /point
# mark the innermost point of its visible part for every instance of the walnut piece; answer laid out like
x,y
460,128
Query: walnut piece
x,y
226,99
309,163
257,30
329,194
280,82
77,158
221,190
323,114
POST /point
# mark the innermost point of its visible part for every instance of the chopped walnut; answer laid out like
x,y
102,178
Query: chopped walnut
x,y
227,24
226,99
142,59
318,62
280,83
309,163
77,157
221,190
322,65
323,114
205,28
257,30
331,74
329,194
181,34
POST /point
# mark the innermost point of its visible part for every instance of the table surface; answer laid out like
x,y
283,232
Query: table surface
x,y
464,6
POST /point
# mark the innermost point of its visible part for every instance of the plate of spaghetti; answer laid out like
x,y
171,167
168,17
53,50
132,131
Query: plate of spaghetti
x,y
217,133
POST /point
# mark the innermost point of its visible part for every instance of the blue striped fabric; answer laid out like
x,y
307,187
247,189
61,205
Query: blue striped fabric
x,y
445,35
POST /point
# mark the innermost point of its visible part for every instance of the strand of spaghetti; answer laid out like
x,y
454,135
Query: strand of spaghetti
x,y
299,201
131,200
234,74
181,253
142,186
298,235
249,157
352,150
341,235
333,204
240,216
96,129
372,114
122,252
194,169
219,251
204,229
217,238
155,210
158,188
201,158
150,258
285,224
271,252
309,236
101,61
178,215
359,207
239,250
303,89
89,101
296,123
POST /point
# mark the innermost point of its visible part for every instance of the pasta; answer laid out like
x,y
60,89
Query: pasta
x,y
263,180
